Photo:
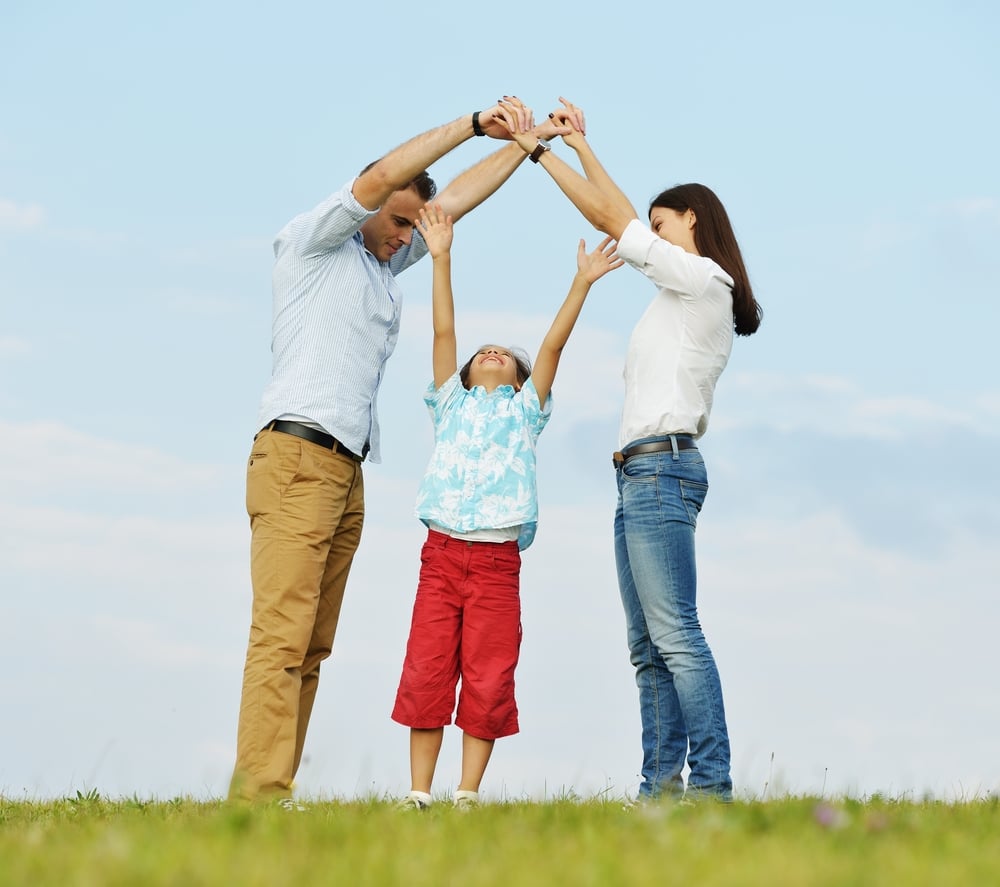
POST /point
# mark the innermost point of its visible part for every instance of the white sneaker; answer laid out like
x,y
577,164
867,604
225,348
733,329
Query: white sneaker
x,y
290,804
466,800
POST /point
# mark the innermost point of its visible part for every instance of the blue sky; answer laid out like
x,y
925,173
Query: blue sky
x,y
847,549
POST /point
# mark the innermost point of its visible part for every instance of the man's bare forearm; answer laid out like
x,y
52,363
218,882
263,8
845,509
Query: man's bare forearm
x,y
470,188
402,164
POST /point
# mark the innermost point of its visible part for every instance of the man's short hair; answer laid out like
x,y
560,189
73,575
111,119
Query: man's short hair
x,y
422,183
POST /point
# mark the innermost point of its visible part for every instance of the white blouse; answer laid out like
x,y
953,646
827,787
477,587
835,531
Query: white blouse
x,y
682,342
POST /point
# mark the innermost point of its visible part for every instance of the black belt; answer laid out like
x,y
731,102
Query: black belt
x,y
684,442
313,435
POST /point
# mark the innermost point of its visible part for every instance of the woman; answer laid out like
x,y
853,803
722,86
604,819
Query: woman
x,y
675,356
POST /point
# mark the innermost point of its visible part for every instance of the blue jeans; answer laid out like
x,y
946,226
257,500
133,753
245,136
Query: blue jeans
x,y
680,695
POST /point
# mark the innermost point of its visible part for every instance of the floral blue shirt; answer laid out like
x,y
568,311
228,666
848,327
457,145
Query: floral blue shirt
x,y
482,471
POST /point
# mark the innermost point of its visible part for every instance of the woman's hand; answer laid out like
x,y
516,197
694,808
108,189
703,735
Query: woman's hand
x,y
436,229
593,266
571,123
519,121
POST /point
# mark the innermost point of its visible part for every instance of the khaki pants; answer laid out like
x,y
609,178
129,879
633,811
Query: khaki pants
x,y
306,507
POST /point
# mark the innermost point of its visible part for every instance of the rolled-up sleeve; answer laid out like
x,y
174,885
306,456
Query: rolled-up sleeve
x,y
666,264
327,225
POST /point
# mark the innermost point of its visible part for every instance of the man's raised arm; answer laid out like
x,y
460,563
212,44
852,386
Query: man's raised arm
x,y
402,164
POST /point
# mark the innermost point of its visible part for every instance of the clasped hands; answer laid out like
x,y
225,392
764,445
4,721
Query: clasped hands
x,y
511,119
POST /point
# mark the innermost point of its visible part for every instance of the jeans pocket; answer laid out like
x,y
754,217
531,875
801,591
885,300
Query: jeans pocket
x,y
640,470
693,496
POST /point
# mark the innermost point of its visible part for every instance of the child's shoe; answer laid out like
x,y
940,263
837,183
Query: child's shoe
x,y
466,800
415,801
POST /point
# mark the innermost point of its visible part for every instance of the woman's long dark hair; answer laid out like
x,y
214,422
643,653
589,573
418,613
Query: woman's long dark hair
x,y
714,238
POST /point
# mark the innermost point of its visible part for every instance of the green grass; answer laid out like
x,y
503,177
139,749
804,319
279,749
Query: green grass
x,y
90,840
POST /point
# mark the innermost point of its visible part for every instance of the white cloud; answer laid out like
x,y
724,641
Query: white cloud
x,y
136,550
38,456
11,346
839,406
989,402
842,654
196,302
881,235
976,206
145,643
887,235
209,253
19,216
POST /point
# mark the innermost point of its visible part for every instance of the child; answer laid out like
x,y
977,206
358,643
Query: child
x,y
479,503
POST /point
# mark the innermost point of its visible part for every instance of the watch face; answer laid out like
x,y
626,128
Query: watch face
x,y
540,149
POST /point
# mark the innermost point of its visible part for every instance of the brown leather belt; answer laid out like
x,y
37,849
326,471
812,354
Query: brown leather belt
x,y
684,442
313,435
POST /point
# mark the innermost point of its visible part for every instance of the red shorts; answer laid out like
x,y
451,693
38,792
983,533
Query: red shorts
x,y
466,624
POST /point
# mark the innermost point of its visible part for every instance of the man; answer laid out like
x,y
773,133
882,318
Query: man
x,y
336,320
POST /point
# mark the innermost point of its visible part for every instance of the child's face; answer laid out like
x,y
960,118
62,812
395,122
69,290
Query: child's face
x,y
493,366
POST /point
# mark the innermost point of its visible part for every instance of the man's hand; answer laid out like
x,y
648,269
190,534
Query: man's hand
x,y
518,120
503,119
593,266
436,229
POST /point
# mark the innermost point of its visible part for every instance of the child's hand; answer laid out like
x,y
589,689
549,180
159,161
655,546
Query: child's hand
x,y
436,229
593,266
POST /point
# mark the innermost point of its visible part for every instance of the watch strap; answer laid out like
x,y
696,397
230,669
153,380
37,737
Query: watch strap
x,y
540,149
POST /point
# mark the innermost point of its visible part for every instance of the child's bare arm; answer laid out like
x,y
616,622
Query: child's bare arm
x,y
436,229
590,268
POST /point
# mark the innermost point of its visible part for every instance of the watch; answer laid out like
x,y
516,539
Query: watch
x,y
540,149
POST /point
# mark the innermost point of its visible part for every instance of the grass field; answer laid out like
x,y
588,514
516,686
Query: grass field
x,y
90,840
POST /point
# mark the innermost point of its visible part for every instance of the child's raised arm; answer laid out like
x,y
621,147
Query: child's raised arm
x,y
590,268
436,229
